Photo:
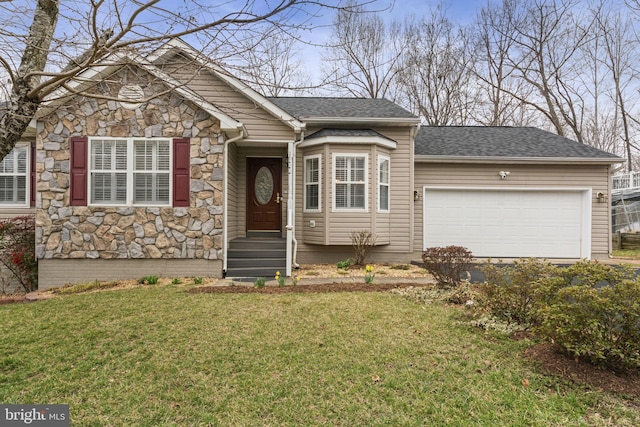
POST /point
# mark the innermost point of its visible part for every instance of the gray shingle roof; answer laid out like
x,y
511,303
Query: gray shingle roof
x,y
478,141
346,132
316,107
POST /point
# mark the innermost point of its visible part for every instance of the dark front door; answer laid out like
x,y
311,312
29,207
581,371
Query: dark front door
x,y
264,194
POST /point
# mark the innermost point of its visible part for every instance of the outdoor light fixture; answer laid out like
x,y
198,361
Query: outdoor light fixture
x,y
504,174
416,196
602,198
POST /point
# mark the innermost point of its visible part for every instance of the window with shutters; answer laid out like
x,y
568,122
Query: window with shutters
x,y
383,183
350,182
131,171
312,183
14,177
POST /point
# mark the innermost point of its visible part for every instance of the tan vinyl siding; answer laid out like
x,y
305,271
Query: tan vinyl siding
x,y
233,226
595,177
54,273
259,123
14,212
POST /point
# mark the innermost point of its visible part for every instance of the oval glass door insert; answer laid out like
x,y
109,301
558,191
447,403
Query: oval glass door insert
x,y
264,185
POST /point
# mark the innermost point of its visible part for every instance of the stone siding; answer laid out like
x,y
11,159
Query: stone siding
x,y
72,232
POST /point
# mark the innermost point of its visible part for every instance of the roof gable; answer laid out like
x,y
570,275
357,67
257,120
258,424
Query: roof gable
x,y
114,62
518,143
176,44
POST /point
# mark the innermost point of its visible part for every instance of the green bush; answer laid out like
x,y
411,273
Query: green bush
x,y
600,324
343,265
448,265
515,293
148,280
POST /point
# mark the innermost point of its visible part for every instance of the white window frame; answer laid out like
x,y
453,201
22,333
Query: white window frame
x,y
366,182
130,172
381,160
15,174
309,183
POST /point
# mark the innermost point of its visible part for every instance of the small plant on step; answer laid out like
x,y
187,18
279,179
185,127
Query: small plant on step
x,y
369,274
259,283
280,279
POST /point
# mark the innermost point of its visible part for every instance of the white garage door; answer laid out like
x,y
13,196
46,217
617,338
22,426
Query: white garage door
x,y
509,223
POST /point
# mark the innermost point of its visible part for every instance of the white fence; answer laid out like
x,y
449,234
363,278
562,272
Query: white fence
x,y
625,182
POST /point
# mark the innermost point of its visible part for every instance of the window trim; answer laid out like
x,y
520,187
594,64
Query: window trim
x,y
366,182
307,183
27,177
381,159
130,172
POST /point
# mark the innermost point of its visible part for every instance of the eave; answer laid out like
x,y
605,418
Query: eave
x,y
421,158
358,140
357,121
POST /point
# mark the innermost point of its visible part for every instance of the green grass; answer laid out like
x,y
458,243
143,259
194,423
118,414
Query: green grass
x,y
626,253
153,356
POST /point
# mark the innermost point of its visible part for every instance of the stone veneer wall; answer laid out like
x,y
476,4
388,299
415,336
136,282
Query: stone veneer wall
x,y
71,232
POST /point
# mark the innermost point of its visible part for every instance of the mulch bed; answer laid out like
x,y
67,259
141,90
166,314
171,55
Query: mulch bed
x,y
315,288
553,362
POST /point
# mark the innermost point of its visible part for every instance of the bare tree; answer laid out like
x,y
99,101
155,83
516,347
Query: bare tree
x,y
61,40
273,66
436,75
544,38
496,78
364,53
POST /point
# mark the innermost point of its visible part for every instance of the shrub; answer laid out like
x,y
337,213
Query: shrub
x,y
343,265
600,324
197,280
176,281
148,280
448,265
515,293
259,283
363,242
17,250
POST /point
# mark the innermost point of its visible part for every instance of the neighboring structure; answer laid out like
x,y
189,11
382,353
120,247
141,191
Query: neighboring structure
x,y
199,175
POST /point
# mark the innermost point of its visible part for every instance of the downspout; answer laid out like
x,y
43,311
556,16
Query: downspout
x,y
225,197
291,202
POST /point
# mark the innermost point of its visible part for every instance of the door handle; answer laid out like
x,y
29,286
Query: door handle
x,y
278,197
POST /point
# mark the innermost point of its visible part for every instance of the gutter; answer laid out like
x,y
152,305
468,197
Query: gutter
x,y
291,204
225,196
421,158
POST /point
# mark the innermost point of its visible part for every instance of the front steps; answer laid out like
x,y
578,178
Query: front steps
x,y
256,257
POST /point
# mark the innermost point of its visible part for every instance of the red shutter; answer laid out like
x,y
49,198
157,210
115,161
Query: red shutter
x,y
79,171
32,172
181,168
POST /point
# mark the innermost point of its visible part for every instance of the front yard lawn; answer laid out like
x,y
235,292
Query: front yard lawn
x,y
157,355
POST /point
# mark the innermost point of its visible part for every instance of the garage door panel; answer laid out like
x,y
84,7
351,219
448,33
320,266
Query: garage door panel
x,y
499,223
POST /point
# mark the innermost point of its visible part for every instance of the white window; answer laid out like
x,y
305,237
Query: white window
x,y
383,183
350,181
130,171
14,177
312,183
